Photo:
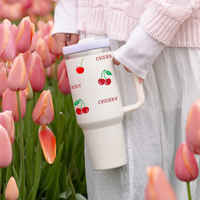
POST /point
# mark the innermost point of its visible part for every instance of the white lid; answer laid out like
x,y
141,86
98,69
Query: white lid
x,y
86,45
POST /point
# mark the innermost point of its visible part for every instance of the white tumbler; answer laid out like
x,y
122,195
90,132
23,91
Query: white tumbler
x,y
97,101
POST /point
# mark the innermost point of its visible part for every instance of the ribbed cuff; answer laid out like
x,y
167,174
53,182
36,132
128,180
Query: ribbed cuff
x,y
160,25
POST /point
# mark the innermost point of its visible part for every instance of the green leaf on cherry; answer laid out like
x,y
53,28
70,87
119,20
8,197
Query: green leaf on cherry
x,y
108,72
77,102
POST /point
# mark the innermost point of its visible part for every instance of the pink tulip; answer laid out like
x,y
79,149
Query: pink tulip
x,y
18,77
186,168
3,80
28,92
2,65
43,50
51,43
24,34
26,56
43,113
36,72
48,143
50,71
9,102
36,36
6,120
158,187
41,8
26,3
193,128
7,41
63,81
5,148
12,191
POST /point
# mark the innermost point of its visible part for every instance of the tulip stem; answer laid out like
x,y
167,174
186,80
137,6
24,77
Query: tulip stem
x,y
22,173
189,191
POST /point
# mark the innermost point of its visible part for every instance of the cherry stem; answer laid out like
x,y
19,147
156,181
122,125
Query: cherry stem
x,y
82,102
103,73
81,62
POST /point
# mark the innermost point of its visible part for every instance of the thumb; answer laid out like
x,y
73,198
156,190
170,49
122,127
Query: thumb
x,y
116,62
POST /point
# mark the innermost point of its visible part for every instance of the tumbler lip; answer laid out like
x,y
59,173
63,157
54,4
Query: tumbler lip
x,y
86,45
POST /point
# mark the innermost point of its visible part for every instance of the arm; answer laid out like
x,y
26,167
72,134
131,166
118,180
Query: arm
x,y
65,24
159,23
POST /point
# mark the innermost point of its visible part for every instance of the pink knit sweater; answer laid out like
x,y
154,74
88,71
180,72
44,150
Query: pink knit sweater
x,y
172,22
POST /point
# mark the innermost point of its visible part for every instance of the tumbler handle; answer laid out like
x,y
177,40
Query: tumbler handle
x,y
140,96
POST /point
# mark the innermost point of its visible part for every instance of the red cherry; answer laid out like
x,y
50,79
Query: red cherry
x,y
85,110
79,111
101,81
108,81
79,70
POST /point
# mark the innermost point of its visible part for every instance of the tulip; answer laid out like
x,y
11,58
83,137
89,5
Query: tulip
x,y
26,56
18,77
36,36
193,128
63,81
28,92
3,80
43,50
12,191
24,34
51,43
48,143
5,148
9,102
186,168
36,72
50,71
7,41
6,120
43,113
158,187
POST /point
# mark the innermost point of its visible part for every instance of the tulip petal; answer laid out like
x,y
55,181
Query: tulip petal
x,y
18,78
193,128
6,120
3,81
12,191
4,36
48,143
158,186
5,148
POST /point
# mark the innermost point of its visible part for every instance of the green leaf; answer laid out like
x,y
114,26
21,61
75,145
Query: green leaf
x,y
16,176
108,72
77,102
70,191
80,197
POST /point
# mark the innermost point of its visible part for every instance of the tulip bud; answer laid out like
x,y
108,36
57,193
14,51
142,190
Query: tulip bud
x,y
158,187
9,102
12,191
5,148
63,81
7,41
3,81
36,72
43,113
48,143
6,120
186,168
193,128
43,50
24,34
29,92
18,77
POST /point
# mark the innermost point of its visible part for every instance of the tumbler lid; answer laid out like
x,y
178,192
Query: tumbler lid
x,y
86,45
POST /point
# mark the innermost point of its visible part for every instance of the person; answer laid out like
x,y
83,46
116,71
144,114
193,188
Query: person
x,y
158,40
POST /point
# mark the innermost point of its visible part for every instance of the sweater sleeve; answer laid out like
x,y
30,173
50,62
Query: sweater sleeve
x,y
162,18
65,17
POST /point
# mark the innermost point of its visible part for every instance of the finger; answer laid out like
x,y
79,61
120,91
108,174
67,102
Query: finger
x,y
141,80
127,69
74,38
116,62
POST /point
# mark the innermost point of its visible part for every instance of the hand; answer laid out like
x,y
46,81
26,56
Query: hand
x,y
64,39
116,62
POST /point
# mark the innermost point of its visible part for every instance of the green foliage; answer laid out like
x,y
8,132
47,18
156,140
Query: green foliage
x,y
65,178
